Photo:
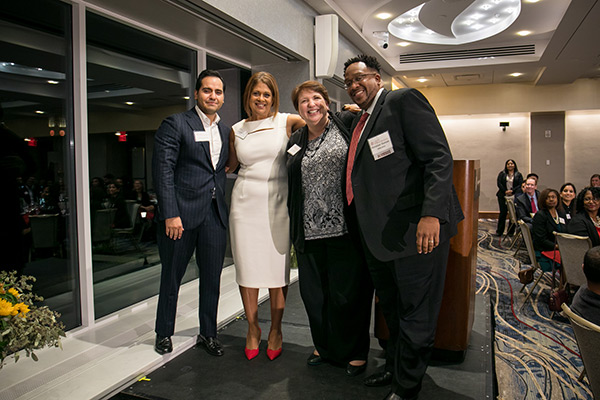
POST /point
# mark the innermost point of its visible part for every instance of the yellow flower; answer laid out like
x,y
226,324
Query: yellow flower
x,y
14,292
6,308
22,309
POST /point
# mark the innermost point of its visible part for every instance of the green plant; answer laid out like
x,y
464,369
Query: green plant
x,y
23,325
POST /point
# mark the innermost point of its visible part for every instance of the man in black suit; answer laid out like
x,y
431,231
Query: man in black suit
x,y
190,152
399,180
526,203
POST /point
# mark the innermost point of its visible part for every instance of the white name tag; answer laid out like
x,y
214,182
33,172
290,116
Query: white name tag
x,y
293,150
568,216
561,220
381,145
201,136
241,134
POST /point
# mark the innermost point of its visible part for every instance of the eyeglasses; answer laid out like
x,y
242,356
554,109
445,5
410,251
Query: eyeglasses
x,y
588,200
357,79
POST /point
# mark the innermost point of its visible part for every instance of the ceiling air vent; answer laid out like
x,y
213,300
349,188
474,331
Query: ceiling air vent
x,y
488,52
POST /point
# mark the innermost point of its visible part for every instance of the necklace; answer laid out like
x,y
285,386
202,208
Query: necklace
x,y
553,217
596,221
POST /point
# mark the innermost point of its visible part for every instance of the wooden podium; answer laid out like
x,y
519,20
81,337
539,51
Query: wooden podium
x,y
456,314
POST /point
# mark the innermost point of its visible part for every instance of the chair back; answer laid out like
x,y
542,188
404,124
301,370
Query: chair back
x,y
572,250
529,244
587,336
103,220
44,230
512,211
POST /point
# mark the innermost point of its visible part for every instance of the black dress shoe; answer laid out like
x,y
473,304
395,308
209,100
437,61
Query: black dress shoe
x,y
353,370
211,345
163,344
379,379
314,360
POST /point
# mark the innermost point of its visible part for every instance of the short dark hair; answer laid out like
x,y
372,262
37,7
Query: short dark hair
x,y
206,73
594,176
544,197
533,175
370,61
309,85
591,265
595,192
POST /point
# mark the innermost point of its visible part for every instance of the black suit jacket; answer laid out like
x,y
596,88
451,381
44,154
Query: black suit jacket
x,y
183,173
501,183
392,193
582,225
523,207
543,228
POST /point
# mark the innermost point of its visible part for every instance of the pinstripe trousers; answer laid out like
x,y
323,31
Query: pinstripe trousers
x,y
209,240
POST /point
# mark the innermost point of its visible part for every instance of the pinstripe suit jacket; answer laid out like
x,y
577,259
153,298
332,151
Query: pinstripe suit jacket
x,y
183,173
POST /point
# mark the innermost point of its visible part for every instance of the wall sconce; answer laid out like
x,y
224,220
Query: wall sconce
x,y
503,125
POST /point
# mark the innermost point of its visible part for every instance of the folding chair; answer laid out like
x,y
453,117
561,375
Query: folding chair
x,y
587,336
526,233
512,217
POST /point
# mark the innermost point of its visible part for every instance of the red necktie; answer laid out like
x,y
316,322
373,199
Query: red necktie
x,y
533,207
352,154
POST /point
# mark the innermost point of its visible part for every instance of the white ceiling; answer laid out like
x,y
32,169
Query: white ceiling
x,y
564,43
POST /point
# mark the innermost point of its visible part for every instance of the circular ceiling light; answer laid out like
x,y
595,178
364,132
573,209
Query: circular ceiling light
x,y
480,20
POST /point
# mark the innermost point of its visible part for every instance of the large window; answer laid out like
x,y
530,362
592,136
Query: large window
x,y
38,232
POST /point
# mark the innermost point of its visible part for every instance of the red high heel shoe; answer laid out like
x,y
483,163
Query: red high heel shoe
x,y
273,354
252,353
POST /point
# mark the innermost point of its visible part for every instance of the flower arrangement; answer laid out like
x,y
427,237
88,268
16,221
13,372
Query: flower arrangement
x,y
24,326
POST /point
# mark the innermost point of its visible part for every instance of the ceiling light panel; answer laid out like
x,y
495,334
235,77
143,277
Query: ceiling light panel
x,y
480,20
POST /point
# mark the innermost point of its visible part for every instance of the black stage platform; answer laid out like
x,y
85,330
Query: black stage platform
x,y
197,375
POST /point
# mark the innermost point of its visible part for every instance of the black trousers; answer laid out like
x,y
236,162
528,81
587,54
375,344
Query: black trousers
x,y
502,217
209,240
337,293
410,291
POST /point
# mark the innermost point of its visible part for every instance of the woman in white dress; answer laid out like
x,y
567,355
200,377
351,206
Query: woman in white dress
x,y
259,222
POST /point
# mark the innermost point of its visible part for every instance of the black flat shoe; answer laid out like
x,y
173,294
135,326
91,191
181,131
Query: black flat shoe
x,y
163,344
211,345
313,360
379,379
353,370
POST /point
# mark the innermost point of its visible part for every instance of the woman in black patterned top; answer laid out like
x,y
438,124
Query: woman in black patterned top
x,y
334,282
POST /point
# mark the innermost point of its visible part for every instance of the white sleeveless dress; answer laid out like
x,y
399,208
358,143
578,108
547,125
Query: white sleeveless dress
x,y
258,219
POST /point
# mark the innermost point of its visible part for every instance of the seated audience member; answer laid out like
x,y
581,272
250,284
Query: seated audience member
x,y
115,200
97,194
586,222
141,196
527,202
546,221
49,201
595,180
534,176
567,200
586,302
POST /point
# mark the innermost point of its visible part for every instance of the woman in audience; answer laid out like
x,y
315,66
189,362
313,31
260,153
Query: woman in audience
x,y
334,280
547,220
586,222
140,196
259,221
509,184
567,200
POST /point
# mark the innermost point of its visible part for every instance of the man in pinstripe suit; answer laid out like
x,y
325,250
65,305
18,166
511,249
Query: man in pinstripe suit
x,y
188,165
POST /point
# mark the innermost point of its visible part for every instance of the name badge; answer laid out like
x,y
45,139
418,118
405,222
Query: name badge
x,y
241,134
561,220
201,136
568,216
381,145
293,150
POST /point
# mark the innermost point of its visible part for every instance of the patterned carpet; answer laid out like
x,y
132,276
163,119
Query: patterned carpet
x,y
536,356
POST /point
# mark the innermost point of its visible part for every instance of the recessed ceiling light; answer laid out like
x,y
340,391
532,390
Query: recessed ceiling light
x,y
383,15
40,112
129,103
524,33
53,82
421,80
531,1
515,74
186,97
403,44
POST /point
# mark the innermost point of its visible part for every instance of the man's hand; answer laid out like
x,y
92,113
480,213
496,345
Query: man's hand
x,y
428,234
174,228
